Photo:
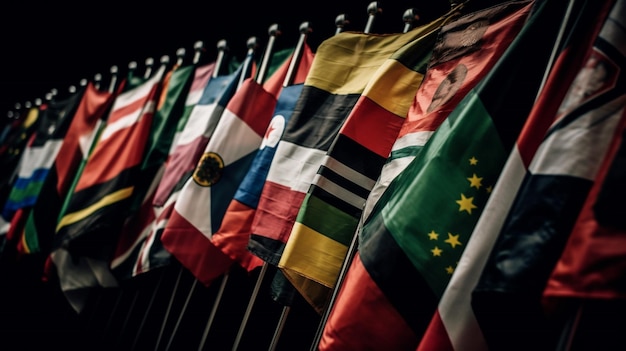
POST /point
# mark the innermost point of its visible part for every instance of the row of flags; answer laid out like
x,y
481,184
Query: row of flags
x,y
441,188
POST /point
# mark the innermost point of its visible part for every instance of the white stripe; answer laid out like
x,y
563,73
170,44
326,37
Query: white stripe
x,y
233,138
199,123
412,139
339,191
40,157
294,166
388,173
139,92
194,204
349,173
574,150
193,97
455,304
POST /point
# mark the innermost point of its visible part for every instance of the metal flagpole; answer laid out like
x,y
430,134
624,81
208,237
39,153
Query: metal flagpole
x,y
305,29
341,21
145,315
410,17
373,9
113,81
169,307
273,31
97,79
180,55
198,49
252,45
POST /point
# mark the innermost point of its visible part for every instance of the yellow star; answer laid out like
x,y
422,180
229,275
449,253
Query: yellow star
x,y
432,235
436,251
489,189
453,240
473,161
466,204
475,181
449,270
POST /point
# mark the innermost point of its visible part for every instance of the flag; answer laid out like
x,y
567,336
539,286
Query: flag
x,y
205,103
204,198
37,159
151,253
350,59
554,188
133,237
411,241
454,326
234,233
11,153
591,266
197,131
94,211
316,249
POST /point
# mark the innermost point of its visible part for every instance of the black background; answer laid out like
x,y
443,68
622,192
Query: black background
x,y
53,45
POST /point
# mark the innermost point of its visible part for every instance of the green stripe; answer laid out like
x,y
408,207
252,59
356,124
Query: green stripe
x,y
327,220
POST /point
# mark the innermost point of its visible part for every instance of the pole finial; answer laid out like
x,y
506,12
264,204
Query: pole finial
x,y
274,30
305,27
198,49
410,17
373,9
341,21
180,56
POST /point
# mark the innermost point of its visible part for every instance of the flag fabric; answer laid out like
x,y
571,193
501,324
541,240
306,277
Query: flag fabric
x,y
234,234
205,104
588,278
341,70
12,151
316,249
554,190
37,159
592,264
411,241
133,237
454,326
204,199
93,213
195,135
43,218
151,253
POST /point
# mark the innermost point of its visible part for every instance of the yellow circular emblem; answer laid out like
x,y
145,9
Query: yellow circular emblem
x,y
209,169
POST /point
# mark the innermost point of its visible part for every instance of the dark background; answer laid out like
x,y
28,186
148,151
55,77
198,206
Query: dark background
x,y
53,45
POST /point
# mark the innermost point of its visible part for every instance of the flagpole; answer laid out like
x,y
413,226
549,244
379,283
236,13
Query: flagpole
x,y
410,17
252,45
149,63
97,78
341,21
372,9
222,49
113,81
169,307
180,57
145,315
198,48
305,29
273,31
